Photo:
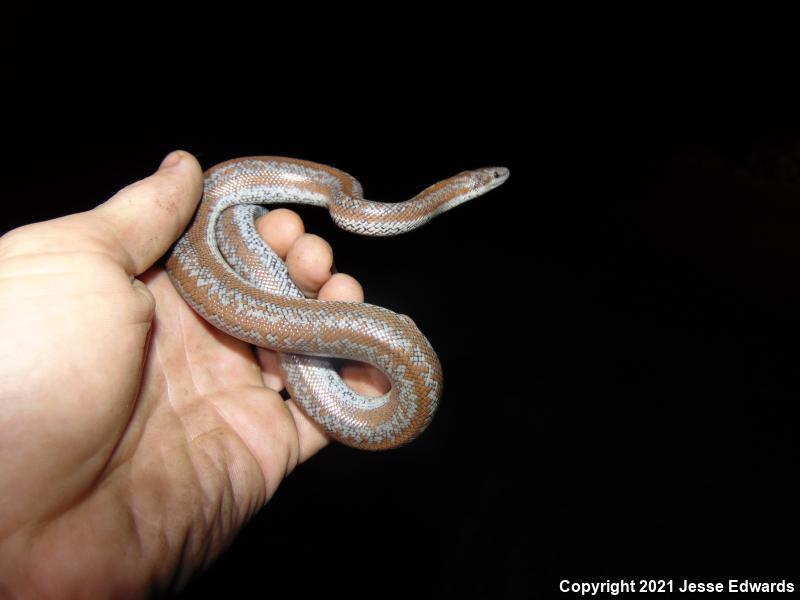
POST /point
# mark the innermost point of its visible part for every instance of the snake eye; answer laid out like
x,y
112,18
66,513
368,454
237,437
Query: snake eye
x,y
498,173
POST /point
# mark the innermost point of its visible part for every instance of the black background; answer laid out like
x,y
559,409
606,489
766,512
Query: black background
x,y
617,323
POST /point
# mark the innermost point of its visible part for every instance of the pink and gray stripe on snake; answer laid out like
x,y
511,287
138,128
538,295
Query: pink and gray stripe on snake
x,y
225,271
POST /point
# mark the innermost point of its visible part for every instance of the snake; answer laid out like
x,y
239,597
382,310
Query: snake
x,y
232,278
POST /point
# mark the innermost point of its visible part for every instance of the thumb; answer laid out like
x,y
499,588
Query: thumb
x,y
148,216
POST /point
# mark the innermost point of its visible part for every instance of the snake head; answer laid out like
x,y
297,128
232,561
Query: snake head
x,y
488,178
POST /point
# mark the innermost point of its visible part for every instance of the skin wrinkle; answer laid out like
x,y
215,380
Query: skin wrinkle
x,y
60,253
295,415
135,527
131,437
124,439
202,394
214,501
60,296
221,505
293,456
148,529
227,418
142,289
165,534
128,262
187,360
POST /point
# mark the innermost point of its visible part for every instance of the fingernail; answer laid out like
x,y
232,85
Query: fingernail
x,y
172,159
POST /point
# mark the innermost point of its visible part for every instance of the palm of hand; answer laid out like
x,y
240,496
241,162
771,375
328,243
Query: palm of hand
x,y
136,439
90,446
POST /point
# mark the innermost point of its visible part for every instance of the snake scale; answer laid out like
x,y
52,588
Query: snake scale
x,y
226,273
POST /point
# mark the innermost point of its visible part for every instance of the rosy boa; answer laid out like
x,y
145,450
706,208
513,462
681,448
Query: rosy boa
x,y
234,280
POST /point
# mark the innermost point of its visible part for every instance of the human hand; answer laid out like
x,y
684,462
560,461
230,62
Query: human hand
x,y
136,438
